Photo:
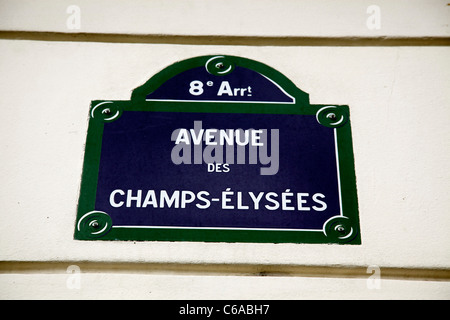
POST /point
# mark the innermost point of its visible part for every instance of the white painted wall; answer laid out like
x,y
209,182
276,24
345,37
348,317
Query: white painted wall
x,y
168,287
319,18
398,98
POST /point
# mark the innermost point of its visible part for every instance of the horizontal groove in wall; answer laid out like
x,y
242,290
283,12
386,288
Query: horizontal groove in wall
x,y
421,274
223,40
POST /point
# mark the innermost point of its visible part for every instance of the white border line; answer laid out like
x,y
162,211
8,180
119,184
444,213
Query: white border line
x,y
338,171
261,229
217,101
279,87
213,228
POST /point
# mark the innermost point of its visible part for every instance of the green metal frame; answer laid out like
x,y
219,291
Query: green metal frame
x,y
93,225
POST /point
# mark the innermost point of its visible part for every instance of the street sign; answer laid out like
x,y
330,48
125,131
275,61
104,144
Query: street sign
x,y
218,149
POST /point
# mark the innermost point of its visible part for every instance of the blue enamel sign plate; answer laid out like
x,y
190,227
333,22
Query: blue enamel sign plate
x,y
218,148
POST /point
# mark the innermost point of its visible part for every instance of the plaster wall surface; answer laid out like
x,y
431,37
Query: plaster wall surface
x,y
399,104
